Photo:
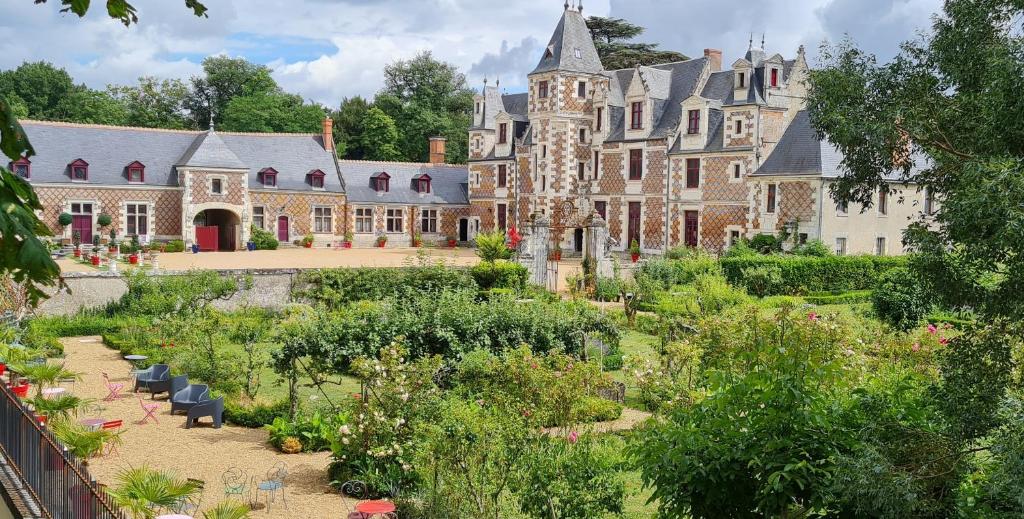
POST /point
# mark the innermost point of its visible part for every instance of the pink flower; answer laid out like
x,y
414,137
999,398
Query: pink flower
x,y
534,365
812,316
916,347
943,341
574,437
527,413
932,329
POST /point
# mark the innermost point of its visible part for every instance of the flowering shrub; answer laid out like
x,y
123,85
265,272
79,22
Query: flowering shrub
x,y
572,477
668,378
377,444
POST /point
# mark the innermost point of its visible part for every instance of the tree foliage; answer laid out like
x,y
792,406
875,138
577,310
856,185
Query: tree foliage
x,y
348,127
380,139
612,37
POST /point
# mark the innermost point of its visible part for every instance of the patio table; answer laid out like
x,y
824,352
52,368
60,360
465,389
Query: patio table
x,y
53,391
372,508
92,423
135,360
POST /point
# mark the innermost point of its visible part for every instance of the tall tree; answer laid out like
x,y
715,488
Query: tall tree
x,y
348,127
611,37
85,105
271,112
155,103
427,98
40,85
380,136
225,78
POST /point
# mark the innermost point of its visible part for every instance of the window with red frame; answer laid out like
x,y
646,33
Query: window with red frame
x,y
316,179
502,133
269,177
22,168
775,77
79,171
423,184
693,121
136,173
637,116
692,173
502,175
636,164
380,182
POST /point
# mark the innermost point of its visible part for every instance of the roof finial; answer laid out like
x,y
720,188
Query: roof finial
x,y
750,44
762,41
581,7
497,83
210,129
566,5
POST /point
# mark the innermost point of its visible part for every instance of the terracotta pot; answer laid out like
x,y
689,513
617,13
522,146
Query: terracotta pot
x,y
635,256
417,243
95,260
347,245
3,368
20,391
133,259
557,255
78,253
41,419
452,243
308,245
112,250
381,244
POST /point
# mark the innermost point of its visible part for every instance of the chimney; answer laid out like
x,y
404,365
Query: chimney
x,y
328,133
437,150
714,57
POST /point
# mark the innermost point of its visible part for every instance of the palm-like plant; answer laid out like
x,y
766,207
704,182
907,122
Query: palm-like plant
x,y
45,374
81,441
60,405
490,246
227,510
143,491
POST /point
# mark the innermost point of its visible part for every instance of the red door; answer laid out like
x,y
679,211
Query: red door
x,y
690,228
633,230
207,237
83,224
282,229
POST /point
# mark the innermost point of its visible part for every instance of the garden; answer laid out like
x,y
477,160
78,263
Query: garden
x,y
759,383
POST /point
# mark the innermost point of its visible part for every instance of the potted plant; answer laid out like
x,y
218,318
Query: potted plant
x,y
452,242
76,240
195,248
382,240
634,250
556,253
307,241
64,220
133,258
95,258
113,242
348,240
103,220
417,239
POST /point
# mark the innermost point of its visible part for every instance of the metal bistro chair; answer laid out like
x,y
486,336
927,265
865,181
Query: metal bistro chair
x,y
273,483
234,480
358,492
189,505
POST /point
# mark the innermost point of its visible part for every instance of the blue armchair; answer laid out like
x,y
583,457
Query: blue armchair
x,y
154,373
212,408
167,386
186,398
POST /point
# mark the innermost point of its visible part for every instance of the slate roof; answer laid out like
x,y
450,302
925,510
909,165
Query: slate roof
x,y
447,182
109,149
800,153
669,84
571,34
515,105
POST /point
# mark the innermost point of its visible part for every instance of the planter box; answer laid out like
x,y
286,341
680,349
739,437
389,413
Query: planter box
x,y
452,243
347,245
133,259
308,245
95,260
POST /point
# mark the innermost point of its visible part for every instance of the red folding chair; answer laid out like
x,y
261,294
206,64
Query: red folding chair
x,y
115,427
149,409
115,389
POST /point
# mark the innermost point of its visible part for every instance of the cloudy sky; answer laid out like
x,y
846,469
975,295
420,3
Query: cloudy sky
x,y
329,49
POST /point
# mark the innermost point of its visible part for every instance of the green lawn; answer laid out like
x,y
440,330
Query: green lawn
x,y
634,344
274,388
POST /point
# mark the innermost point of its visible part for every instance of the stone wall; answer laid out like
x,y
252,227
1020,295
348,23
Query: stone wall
x,y
271,288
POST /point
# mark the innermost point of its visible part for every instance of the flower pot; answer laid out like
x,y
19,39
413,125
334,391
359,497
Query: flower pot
x,y
20,391
3,368
556,255
250,246
308,245
381,244
41,419
78,253
112,250
347,245
195,249
452,243
417,243
95,259
635,256
133,259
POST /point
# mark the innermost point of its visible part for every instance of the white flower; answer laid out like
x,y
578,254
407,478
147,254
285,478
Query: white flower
x,y
345,440
343,429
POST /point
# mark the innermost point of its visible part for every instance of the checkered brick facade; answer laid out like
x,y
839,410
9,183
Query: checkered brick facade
x,y
164,220
234,186
796,202
298,207
714,221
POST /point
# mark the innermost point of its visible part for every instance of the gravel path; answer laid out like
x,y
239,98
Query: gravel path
x,y
201,452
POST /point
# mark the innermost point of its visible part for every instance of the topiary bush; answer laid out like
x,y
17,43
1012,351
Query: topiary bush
x,y
500,274
103,219
337,287
762,280
175,246
263,239
807,274
64,219
766,243
899,299
679,271
254,415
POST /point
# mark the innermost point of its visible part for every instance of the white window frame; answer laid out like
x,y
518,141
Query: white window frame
x,y
223,185
262,216
366,216
428,216
775,206
732,168
393,215
148,218
318,220
845,248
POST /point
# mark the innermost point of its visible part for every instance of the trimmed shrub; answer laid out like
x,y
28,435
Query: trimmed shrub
x,y
263,239
899,299
766,243
499,274
813,248
739,249
839,298
808,274
175,246
337,287
681,271
103,220
255,415
762,280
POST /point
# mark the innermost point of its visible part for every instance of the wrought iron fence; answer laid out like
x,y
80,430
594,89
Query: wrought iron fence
x,y
57,480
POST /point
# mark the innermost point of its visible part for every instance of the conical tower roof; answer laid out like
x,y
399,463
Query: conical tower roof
x,y
209,151
571,47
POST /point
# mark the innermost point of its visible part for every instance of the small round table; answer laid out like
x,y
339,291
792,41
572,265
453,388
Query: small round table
x,y
53,391
372,508
135,358
92,423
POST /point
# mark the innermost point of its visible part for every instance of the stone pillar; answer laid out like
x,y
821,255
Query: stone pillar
x,y
535,251
596,246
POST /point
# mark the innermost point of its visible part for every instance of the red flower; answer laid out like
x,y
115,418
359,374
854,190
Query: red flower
x,y
574,437
932,329
812,316
916,347
943,341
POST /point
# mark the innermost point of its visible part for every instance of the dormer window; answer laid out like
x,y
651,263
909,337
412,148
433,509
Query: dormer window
x,y
268,177
693,122
380,182
136,173
422,183
316,179
502,133
22,168
637,116
741,79
79,171
775,78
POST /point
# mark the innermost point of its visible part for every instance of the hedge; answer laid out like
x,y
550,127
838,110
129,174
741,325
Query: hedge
x,y
336,287
500,275
800,275
840,298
